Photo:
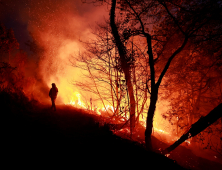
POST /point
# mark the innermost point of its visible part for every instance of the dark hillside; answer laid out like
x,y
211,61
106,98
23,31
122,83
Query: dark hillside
x,y
36,135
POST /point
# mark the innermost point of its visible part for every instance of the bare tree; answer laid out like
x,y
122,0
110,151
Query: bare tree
x,y
183,23
168,29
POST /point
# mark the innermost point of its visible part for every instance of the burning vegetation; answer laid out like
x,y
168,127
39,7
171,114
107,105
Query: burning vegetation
x,y
150,69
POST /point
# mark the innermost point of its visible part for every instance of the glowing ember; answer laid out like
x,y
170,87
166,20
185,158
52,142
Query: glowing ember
x,y
167,155
160,130
125,130
188,142
189,135
108,107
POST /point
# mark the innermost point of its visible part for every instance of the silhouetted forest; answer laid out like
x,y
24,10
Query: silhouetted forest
x,y
142,84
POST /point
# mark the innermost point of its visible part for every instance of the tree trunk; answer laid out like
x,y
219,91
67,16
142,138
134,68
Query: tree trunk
x,y
132,100
142,106
155,86
124,64
136,92
149,120
198,127
117,92
110,77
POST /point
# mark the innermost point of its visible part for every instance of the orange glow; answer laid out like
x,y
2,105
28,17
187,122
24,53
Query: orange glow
x,y
57,27
76,100
167,155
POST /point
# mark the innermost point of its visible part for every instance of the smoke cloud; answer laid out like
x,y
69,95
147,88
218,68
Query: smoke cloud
x,y
56,26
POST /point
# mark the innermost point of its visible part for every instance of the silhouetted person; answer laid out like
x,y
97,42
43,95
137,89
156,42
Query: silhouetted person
x,y
53,94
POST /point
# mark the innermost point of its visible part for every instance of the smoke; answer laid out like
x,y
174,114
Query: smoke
x,y
56,26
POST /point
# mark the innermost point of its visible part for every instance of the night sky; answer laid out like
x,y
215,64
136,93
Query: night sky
x,y
26,15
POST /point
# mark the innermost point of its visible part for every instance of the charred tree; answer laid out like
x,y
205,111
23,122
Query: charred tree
x,y
198,127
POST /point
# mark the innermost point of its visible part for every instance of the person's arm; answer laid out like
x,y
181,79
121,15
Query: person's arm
x,y
50,92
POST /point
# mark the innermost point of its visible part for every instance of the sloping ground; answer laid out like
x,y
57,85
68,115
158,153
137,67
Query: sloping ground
x,y
34,136
71,138
184,155
187,156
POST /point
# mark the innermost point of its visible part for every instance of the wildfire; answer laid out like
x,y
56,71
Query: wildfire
x,y
108,107
143,123
167,155
76,101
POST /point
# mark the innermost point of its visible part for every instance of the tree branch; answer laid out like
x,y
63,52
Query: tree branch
x,y
170,60
171,15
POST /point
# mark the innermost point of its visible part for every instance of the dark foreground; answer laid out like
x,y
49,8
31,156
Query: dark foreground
x,y
70,138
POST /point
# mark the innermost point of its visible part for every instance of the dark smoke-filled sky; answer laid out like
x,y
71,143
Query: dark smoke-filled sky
x,y
56,26
69,18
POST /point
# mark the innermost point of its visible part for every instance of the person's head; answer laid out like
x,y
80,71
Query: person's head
x,y
53,85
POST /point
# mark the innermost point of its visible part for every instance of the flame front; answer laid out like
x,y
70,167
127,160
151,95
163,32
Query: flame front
x,y
76,101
